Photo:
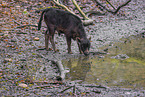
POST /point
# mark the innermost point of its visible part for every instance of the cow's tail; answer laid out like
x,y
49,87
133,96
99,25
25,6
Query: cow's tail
x,y
41,18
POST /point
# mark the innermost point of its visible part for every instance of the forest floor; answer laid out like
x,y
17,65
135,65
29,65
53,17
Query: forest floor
x,y
24,66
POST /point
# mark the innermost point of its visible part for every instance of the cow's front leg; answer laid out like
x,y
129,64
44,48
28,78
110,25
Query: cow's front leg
x,y
68,39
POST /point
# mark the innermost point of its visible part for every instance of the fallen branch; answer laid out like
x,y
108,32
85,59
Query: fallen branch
x,y
61,69
91,12
87,21
16,22
98,3
99,86
66,89
111,4
81,12
121,6
59,65
26,25
116,10
80,88
63,6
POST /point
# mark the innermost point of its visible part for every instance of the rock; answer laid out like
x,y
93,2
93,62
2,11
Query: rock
x,y
23,85
36,39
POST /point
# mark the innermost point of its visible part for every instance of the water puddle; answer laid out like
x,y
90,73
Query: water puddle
x,y
123,65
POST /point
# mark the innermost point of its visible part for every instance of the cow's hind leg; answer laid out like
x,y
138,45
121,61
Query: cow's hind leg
x,y
46,40
51,38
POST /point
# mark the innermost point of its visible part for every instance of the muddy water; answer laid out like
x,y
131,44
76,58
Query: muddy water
x,y
123,65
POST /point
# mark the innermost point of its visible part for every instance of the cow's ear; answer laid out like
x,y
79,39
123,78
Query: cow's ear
x,y
78,39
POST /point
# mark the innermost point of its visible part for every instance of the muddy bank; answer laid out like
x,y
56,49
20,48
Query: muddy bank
x,y
21,51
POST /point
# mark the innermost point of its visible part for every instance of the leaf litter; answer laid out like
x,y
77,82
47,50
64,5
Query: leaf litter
x,y
21,64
